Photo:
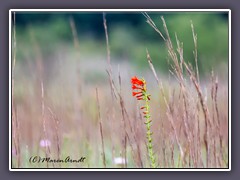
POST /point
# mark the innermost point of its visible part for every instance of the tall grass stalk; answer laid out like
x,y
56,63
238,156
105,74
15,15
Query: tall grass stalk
x,y
178,67
40,72
15,122
101,130
170,117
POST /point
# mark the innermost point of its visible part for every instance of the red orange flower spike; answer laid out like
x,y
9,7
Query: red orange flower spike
x,y
140,95
137,93
148,97
139,86
135,87
136,81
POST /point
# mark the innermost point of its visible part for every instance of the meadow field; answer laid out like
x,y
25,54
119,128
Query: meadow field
x,y
73,101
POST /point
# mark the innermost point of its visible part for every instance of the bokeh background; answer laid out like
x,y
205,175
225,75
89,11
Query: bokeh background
x,y
67,52
129,35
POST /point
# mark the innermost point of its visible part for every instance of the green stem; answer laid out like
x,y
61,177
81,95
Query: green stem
x,y
149,133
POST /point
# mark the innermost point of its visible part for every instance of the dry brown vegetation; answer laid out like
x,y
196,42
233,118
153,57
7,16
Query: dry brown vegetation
x,y
102,121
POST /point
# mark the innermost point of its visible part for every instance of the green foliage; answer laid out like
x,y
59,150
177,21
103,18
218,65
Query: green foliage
x,y
47,36
129,38
122,40
212,40
212,37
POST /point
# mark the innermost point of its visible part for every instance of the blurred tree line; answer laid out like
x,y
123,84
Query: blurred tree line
x,y
130,35
93,21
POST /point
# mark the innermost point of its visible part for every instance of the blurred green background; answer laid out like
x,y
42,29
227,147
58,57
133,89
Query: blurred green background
x,y
129,36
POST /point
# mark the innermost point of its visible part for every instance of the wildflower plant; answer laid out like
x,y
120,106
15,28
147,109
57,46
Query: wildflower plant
x,y
140,92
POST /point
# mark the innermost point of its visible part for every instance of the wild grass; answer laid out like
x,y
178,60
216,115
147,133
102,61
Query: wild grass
x,y
103,122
